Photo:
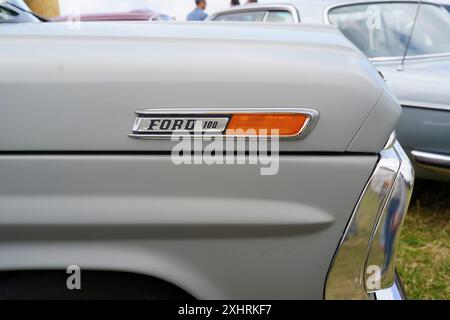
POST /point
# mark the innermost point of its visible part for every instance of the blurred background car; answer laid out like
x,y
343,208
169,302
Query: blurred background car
x,y
16,12
133,15
409,44
19,3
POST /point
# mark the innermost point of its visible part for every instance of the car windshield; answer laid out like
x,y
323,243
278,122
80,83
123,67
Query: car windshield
x,y
382,29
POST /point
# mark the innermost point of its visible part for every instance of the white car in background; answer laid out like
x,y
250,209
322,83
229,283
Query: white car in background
x,y
381,29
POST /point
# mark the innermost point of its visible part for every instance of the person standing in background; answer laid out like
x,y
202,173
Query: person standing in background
x,y
199,12
234,3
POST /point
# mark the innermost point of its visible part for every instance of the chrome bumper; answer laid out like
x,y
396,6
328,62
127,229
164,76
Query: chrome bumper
x,y
396,292
438,163
364,263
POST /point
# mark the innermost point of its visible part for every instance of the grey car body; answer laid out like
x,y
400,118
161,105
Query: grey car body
x,y
422,85
77,188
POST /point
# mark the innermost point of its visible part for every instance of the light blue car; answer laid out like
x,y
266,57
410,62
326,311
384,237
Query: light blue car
x,y
381,30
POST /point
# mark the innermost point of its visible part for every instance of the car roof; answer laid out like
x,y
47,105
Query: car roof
x,y
332,3
312,11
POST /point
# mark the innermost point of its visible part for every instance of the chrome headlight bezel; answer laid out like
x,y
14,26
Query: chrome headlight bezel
x,y
364,262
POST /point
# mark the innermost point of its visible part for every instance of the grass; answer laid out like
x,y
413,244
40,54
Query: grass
x,y
423,257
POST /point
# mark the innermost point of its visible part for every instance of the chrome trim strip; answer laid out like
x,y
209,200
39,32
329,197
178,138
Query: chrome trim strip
x,y
411,57
313,117
266,14
431,159
383,245
347,273
391,141
345,279
422,105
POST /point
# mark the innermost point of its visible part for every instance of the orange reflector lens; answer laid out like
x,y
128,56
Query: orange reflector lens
x,y
287,124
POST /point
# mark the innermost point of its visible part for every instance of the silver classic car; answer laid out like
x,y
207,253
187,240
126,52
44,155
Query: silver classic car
x,y
93,181
409,44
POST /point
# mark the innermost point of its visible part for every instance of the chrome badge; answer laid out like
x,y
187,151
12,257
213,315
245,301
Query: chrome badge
x,y
171,124
162,123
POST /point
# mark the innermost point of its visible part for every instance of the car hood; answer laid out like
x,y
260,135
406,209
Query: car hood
x,y
423,83
82,87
